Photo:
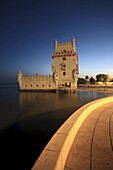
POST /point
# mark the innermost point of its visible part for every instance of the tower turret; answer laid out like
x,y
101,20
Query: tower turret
x,y
73,41
19,77
55,45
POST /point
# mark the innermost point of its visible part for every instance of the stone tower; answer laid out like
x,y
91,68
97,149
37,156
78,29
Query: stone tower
x,y
65,72
65,66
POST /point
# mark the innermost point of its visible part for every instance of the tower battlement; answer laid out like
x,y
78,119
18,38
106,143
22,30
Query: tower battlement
x,y
67,46
65,43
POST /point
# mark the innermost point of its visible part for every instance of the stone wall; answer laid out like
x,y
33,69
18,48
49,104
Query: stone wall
x,y
64,69
65,63
37,83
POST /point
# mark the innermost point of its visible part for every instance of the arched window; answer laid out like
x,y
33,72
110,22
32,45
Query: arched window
x,y
64,65
64,58
64,73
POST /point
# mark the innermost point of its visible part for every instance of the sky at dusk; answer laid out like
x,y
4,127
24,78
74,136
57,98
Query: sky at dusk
x,y
28,29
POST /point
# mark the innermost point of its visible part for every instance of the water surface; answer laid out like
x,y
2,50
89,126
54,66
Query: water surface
x,y
29,119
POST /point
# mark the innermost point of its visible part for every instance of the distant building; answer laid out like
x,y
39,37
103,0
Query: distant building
x,y
65,70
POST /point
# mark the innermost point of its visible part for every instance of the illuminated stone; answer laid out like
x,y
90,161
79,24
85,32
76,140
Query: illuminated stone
x,y
64,68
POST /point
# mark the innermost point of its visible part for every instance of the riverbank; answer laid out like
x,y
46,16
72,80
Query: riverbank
x,y
95,88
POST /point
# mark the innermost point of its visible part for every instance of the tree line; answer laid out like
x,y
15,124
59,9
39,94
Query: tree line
x,y
99,78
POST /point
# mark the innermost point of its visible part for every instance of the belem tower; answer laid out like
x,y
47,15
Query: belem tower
x,y
65,70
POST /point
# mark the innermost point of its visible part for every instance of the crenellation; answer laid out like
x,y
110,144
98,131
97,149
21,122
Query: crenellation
x,y
47,77
23,78
40,77
32,77
36,74
66,43
44,77
35,77
51,77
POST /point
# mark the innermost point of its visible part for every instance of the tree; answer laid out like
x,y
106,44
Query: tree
x,y
87,78
92,80
81,81
107,78
103,77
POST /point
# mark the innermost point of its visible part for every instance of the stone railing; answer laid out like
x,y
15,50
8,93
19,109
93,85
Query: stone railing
x,y
37,77
66,43
55,153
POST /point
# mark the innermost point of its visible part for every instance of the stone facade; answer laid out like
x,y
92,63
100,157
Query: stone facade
x,y
64,68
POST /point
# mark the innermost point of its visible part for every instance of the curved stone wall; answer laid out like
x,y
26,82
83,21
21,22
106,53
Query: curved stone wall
x,y
55,153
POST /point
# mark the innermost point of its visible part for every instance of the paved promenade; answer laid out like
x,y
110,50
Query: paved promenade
x,y
92,148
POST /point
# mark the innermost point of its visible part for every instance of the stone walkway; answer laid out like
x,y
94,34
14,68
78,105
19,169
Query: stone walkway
x,y
92,148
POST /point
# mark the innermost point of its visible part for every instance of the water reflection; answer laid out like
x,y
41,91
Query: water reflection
x,y
31,120
37,103
47,111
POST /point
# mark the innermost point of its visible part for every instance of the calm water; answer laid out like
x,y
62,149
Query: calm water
x,y
28,121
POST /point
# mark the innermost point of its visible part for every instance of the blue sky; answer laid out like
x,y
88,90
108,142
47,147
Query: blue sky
x,y
28,29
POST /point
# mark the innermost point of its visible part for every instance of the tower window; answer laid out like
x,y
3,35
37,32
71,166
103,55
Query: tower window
x,y
64,65
64,58
64,73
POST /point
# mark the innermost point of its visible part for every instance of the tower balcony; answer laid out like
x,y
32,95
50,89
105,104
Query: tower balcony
x,y
63,55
